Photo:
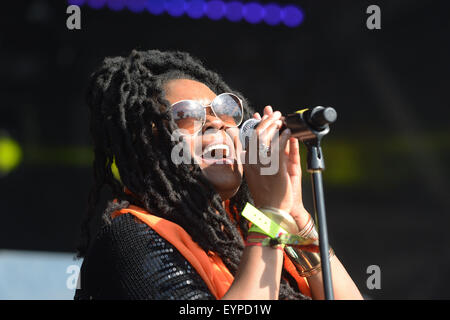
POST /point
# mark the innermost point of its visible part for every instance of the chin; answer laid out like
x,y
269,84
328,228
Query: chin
x,y
225,182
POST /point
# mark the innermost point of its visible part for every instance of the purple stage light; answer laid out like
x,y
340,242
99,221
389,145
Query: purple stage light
x,y
136,6
76,2
215,10
174,7
292,16
116,5
272,14
195,8
253,12
233,11
96,4
156,7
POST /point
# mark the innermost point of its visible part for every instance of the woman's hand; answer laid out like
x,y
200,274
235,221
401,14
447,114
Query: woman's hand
x,y
294,170
269,181
271,190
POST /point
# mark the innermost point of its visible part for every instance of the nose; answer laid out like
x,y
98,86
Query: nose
x,y
212,122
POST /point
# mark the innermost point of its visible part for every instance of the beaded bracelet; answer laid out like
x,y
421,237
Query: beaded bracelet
x,y
259,239
301,247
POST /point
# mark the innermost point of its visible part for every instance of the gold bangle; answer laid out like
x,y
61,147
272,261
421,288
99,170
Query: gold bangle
x,y
285,220
309,230
307,263
281,217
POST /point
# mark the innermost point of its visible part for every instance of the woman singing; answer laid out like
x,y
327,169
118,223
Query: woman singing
x,y
173,229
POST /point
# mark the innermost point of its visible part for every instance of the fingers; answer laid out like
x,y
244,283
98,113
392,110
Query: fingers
x,y
280,143
294,150
270,131
294,167
284,138
268,110
269,125
267,120
267,132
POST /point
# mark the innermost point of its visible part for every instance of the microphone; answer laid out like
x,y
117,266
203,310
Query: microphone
x,y
304,124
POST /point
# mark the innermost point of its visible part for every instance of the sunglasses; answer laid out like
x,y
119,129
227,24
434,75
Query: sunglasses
x,y
190,115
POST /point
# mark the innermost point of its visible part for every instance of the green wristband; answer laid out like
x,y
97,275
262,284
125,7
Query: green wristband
x,y
262,222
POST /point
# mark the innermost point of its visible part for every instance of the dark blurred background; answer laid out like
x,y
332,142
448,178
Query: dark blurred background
x,y
387,177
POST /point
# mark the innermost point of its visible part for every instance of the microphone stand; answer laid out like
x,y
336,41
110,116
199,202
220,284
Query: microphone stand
x,y
315,167
312,137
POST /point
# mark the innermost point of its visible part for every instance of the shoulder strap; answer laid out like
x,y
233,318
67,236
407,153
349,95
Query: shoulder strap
x,y
209,266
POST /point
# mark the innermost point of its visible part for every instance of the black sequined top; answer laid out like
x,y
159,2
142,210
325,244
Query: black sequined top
x,y
129,260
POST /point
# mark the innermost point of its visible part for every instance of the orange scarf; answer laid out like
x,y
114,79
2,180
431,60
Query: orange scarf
x,y
209,266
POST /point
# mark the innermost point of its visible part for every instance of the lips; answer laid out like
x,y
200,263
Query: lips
x,y
217,152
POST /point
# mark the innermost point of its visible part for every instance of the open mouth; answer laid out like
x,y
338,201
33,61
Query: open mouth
x,y
217,153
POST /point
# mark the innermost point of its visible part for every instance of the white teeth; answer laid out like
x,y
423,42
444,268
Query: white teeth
x,y
210,148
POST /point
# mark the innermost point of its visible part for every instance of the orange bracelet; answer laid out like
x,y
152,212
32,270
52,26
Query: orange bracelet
x,y
259,244
255,239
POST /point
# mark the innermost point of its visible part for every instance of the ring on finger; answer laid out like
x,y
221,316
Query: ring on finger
x,y
263,149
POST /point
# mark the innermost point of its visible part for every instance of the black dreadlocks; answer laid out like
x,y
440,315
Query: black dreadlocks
x,y
131,128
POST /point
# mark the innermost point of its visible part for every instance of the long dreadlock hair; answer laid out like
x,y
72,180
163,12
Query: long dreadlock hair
x,y
126,101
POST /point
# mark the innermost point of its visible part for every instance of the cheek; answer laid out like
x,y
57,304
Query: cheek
x,y
194,144
234,134
241,169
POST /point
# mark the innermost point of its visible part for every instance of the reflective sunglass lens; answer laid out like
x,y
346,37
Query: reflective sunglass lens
x,y
189,116
228,108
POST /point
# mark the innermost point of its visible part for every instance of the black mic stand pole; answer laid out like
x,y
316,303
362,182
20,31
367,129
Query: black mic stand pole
x,y
312,137
315,167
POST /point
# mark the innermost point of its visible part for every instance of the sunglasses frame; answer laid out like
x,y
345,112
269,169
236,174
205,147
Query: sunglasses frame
x,y
210,105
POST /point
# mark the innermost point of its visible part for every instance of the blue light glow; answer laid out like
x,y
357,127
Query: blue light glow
x,y
116,5
156,7
136,5
271,14
175,7
253,12
292,16
96,4
195,9
76,2
215,10
233,11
